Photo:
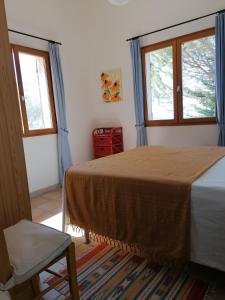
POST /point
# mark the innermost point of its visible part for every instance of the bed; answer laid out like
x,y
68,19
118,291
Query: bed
x,y
192,229
208,218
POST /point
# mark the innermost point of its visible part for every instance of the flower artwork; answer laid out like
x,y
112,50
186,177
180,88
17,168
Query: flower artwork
x,y
111,86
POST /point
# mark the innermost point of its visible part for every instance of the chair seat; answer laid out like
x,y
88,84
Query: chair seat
x,y
32,247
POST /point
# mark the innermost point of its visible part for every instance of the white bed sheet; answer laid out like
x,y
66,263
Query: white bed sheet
x,y
208,218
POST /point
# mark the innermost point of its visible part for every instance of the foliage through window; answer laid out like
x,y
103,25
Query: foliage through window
x,y
179,80
33,77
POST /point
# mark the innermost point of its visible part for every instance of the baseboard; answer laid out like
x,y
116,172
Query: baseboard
x,y
44,190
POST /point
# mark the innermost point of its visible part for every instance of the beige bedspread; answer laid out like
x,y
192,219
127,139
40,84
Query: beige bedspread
x,y
140,197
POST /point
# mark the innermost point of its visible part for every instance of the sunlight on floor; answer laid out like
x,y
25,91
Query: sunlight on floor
x,y
56,222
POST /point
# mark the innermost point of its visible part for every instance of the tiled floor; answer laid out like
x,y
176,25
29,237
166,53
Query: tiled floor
x,y
46,206
47,209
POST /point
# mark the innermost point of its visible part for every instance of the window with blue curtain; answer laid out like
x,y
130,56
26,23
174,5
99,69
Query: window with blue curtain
x,y
135,51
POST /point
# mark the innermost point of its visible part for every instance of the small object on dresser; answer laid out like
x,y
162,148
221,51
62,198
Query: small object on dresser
x,y
107,141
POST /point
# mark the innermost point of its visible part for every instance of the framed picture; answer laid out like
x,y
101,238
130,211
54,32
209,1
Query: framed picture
x,y
111,86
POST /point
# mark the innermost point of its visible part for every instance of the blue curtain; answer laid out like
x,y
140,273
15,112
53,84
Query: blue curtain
x,y
220,76
135,51
64,154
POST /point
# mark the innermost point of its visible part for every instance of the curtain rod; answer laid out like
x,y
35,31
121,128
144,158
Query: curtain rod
x,y
172,26
34,36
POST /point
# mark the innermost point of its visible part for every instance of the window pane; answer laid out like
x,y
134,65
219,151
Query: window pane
x,y
159,82
198,73
36,94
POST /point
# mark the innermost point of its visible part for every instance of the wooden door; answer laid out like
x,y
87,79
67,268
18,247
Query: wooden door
x,y
14,194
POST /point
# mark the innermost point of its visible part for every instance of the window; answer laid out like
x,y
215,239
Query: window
x,y
35,93
179,80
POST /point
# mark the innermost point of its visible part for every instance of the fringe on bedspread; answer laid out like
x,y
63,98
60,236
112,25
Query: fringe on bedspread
x,y
77,229
135,250
94,237
131,248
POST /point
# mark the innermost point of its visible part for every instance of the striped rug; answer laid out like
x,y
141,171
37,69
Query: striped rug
x,y
106,273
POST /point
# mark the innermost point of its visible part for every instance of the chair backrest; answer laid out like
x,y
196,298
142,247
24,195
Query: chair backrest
x,y
5,267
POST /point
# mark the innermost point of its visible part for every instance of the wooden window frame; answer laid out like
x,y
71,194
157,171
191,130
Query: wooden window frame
x,y
177,80
26,132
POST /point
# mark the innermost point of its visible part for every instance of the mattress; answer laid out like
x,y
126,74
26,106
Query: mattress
x,y
208,218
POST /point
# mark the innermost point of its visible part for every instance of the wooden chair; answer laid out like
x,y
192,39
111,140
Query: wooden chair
x,y
27,249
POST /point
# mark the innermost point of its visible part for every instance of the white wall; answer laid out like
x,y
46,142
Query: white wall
x,y
40,151
41,161
62,21
93,34
110,27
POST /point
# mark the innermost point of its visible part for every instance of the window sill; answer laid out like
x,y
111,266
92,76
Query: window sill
x,y
39,133
191,122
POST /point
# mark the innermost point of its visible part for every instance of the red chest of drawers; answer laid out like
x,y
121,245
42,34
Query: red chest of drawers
x,y
107,141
